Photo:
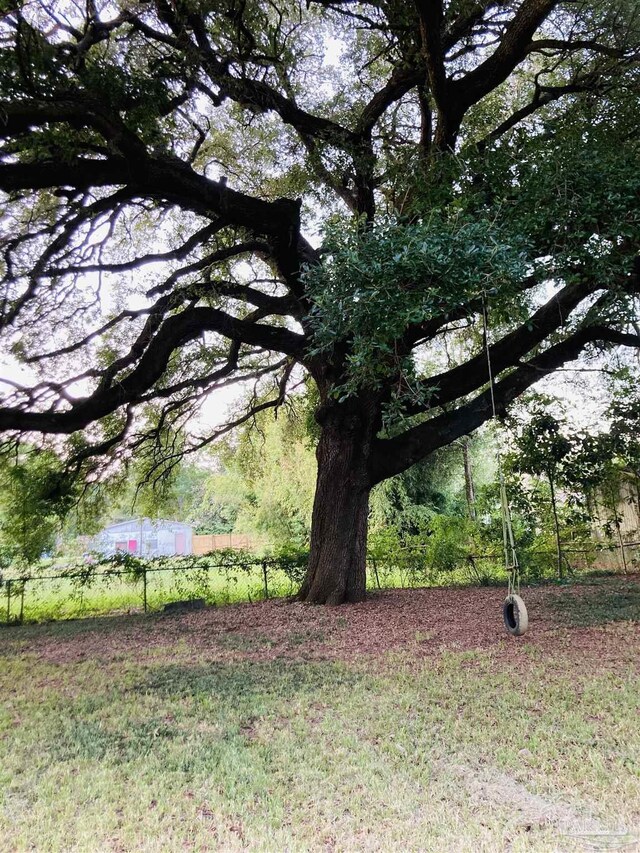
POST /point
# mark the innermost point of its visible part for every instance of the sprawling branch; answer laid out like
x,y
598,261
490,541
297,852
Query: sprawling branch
x,y
511,50
462,25
85,214
542,96
249,92
549,46
431,16
472,374
392,456
196,240
402,80
79,111
172,334
176,182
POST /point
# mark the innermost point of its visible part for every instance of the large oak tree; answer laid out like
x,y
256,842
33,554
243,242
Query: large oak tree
x,y
170,167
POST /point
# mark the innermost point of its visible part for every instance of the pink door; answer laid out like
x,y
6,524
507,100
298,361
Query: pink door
x,y
180,543
133,546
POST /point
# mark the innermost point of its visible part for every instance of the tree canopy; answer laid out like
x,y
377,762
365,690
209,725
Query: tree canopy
x,y
202,193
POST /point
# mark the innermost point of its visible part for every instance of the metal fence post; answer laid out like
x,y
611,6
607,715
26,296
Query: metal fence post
x,y
8,601
264,576
144,588
375,571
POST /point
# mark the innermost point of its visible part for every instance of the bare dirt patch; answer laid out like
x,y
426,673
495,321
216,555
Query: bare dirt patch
x,y
426,622
488,787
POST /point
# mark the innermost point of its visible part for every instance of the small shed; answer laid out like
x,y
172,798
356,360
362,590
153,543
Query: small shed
x,y
145,537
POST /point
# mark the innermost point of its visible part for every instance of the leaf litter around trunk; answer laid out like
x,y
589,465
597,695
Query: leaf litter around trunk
x,y
580,620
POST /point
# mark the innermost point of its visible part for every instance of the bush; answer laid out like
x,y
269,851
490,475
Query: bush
x,y
448,546
291,560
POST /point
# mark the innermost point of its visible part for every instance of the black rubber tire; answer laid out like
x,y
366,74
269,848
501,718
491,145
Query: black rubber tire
x,y
516,618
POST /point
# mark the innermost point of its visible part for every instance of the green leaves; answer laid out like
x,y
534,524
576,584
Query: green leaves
x,y
376,283
542,446
573,189
37,493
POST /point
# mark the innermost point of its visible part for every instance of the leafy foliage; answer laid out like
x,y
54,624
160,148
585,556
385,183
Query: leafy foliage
x,y
377,281
270,473
36,495
542,446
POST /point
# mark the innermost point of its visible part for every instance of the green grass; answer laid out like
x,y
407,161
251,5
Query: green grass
x,y
597,604
173,747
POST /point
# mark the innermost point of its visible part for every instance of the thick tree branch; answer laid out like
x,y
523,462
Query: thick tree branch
x,y
542,96
172,334
559,46
462,26
402,80
249,92
80,111
392,456
511,50
472,374
173,181
431,17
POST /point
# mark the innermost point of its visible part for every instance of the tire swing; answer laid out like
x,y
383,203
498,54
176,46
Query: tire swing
x,y
514,611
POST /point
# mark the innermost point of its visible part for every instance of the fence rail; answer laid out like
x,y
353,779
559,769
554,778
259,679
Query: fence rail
x,y
138,574
544,551
266,573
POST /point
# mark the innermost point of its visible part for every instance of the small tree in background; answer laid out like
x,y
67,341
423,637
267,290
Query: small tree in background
x,y
602,465
269,475
542,449
36,494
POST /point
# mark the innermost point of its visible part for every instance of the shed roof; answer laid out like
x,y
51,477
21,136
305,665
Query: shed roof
x,y
154,523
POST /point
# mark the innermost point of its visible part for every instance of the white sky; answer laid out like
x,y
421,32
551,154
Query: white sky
x,y
584,393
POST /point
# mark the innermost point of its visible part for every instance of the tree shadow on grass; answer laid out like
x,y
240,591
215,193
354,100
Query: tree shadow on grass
x,y
18,637
596,605
243,682
194,718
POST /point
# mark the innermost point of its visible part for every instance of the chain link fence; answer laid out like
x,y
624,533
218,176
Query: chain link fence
x,y
129,584
126,583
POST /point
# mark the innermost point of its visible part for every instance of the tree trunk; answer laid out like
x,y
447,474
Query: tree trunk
x,y
337,562
613,508
557,528
468,479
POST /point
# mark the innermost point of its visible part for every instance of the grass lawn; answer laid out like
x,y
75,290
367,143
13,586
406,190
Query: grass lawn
x,y
411,722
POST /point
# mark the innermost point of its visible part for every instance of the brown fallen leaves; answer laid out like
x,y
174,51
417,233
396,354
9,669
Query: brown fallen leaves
x,y
424,622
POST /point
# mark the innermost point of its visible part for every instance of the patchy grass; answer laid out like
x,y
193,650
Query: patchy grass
x,y
601,602
411,722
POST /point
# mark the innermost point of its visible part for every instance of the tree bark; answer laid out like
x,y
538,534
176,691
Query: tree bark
x,y
468,478
614,497
556,524
337,562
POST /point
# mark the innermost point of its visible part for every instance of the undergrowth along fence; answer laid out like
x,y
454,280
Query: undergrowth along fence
x,y
126,582
444,562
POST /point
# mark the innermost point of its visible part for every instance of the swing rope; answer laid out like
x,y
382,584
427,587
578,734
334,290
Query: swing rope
x,y
511,564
